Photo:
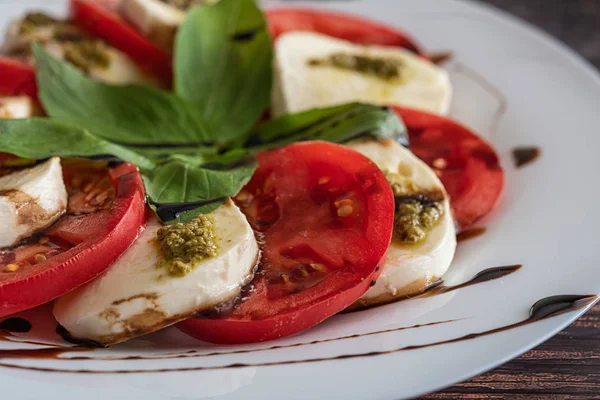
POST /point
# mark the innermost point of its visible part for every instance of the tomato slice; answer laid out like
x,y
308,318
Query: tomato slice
x,y
467,165
106,24
17,78
106,210
324,214
342,26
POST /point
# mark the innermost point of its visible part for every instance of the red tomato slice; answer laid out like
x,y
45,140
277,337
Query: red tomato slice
x,y
104,220
324,213
342,26
17,78
467,165
104,23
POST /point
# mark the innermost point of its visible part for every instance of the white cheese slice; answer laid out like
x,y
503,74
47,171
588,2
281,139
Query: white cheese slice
x,y
120,70
409,268
135,297
16,107
155,19
30,200
16,41
300,86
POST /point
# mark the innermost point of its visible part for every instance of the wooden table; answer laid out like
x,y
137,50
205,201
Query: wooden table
x,y
568,365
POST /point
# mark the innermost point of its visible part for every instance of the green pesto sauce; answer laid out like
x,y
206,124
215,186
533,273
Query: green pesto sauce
x,y
184,245
88,54
417,212
415,216
64,32
186,4
35,20
381,67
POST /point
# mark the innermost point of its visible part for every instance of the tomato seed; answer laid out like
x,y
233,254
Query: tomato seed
x,y
101,197
318,267
244,197
343,202
92,194
88,187
344,211
440,163
303,271
323,180
44,240
11,267
268,185
40,258
286,279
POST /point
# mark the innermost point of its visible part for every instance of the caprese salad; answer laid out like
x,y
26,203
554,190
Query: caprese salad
x,y
242,174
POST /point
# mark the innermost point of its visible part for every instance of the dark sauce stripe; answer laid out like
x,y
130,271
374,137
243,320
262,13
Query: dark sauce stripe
x,y
546,308
489,274
525,155
19,325
471,233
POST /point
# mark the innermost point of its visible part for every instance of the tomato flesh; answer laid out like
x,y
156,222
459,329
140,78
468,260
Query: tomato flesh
x,y
324,216
342,26
102,22
467,165
17,78
105,214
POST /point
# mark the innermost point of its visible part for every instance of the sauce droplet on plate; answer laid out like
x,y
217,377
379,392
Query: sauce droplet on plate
x,y
470,233
15,324
525,155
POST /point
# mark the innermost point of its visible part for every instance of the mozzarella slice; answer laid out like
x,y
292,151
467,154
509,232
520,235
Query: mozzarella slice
x,y
30,200
300,85
16,107
155,19
16,41
135,297
409,268
120,70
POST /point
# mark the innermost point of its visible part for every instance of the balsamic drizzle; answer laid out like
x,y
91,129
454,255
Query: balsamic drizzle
x,y
471,233
543,309
486,275
18,325
525,155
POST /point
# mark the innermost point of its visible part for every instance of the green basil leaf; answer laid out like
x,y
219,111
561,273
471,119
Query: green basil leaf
x,y
39,138
196,155
223,62
337,124
127,114
179,191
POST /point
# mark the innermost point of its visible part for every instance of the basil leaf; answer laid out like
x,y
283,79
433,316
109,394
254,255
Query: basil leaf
x,y
127,114
39,138
337,124
223,65
193,154
179,191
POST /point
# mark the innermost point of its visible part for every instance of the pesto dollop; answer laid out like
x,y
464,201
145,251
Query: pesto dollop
x,y
381,67
185,244
417,211
34,20
67,33
186,4
415,216
88,54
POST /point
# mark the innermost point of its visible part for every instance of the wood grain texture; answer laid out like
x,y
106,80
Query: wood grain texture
x,y
566,367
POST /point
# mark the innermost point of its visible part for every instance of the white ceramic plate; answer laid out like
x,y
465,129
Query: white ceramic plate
x,y
546,222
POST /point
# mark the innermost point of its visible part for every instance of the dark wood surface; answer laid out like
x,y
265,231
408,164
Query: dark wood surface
x,y
566,367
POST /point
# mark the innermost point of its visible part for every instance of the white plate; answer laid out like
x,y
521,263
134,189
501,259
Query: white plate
x,y
546,222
